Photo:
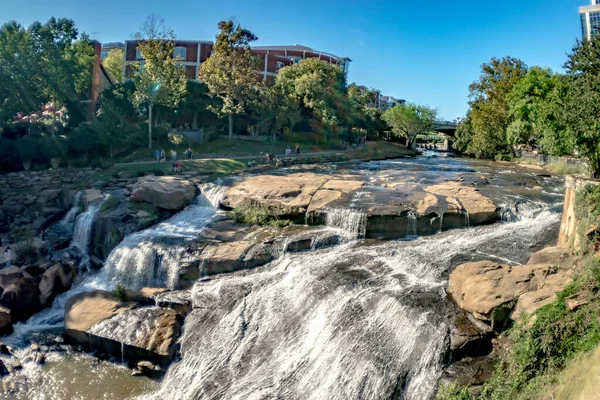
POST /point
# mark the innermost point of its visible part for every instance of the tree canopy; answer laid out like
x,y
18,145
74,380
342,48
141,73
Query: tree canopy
x,y
114,63
409,120
231,71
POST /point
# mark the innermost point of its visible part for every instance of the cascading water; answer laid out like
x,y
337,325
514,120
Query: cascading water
x,y
70,216
352,221
151,257
411,227
347,322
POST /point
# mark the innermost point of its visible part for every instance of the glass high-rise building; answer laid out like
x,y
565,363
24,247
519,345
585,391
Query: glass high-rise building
x,y
590,20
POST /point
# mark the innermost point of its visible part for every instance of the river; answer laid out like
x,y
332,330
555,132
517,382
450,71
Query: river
x,y
366,319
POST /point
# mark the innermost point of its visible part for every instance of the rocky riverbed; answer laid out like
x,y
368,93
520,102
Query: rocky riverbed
x,y
350,301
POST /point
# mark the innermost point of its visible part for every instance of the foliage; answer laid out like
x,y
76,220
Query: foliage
x,y
230,72
161,79
44,63
258,215
27,148
110,204
489,117
120,293
53,147
86,140
114,63
318,87
566,169
582,109
410,119
273,110
535,108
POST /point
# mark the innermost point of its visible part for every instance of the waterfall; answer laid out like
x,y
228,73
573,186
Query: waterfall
x,y
83,229
467,219
214,192
353,222
515,211
348,322
151,257
69,217
411,221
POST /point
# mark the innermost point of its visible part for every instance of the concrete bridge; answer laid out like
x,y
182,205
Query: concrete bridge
x,y
445,127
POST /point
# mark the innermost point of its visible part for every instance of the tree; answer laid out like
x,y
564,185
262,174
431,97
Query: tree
x,y
534,107
231,71
318,87
273,110
489,114
114,63
582,109
197,102
160,79
410,119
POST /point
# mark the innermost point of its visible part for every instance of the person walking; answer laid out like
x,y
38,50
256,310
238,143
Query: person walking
x,y
162,155
177,167
297,150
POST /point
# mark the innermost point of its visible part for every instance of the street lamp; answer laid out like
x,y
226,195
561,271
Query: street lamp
x,y
153,92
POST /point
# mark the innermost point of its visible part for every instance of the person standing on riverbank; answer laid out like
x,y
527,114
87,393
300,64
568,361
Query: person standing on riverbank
x,y
297,150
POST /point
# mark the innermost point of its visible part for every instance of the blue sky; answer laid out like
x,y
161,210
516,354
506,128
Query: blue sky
x,y
427,51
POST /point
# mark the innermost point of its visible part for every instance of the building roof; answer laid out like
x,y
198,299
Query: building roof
x,y
299,47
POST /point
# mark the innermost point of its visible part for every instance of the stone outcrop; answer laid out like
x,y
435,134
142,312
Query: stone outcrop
x,y
494,292
166,192
289,196
55,280
20,293
131,329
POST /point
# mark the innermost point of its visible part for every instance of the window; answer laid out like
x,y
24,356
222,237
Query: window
x,y
103,54
280,65
138,54
180,53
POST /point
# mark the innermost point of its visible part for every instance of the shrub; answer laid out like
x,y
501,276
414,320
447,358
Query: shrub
x,y
158,172
139,173
110,204
53,147
120,293
587,211
258,215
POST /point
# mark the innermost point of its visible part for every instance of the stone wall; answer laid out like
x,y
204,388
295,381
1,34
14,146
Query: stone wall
x,y
34,199
568,225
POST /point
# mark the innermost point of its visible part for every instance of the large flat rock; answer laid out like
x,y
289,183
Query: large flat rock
x,y
166,192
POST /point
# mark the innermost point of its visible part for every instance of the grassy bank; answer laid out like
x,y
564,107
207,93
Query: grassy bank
x,y
228,166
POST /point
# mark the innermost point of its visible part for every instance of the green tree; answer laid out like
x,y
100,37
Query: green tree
x,y
409,120
318,87
160,79
274,110
535,110
231,71
114,63
489,113
582,109
197,103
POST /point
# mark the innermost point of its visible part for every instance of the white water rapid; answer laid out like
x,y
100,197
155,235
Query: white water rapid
x,y
152,257
353,222
348,322
75,209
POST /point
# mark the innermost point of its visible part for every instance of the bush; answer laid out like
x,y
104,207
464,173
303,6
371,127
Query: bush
x,y
110,204
53,147
120,293
587,211
251,215
27,150
158,172
139,173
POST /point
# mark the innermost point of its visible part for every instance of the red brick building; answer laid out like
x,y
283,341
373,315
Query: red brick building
x,y
193,53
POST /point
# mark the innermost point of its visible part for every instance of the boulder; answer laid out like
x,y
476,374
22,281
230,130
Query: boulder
x,y
57,279
234,256
481,210
130,330
292,195
164,191
490,291
144,333
84,310
20,293
549,255
5,323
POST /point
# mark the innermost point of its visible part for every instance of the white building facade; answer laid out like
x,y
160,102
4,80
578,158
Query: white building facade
x,y
590,20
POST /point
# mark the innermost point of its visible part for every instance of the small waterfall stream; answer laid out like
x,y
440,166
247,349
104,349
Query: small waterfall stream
x,y
411,224
151,257
354,222
70,216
